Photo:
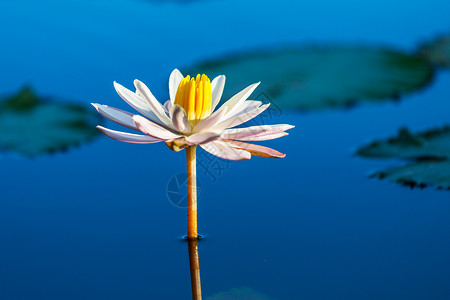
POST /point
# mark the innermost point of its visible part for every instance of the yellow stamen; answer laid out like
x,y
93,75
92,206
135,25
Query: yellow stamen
x,y
191,100
208,102
199,100
194,96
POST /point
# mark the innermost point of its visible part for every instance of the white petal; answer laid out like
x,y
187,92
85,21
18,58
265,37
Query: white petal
x,y
179,119
213,119
237,99
239,119
254,131
265,137
257,150
174,81
154,104
217,86
116,115
223,150
153,129
221,115
128,137
135,101
202,138
244,107
168,105
238,133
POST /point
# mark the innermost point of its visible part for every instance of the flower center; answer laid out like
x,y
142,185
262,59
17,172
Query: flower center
x,y
194,95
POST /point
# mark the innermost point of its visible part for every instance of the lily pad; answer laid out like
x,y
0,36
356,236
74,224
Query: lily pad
x,y
427,153
31,126
243,293
432,144
437,51
313,78
421,174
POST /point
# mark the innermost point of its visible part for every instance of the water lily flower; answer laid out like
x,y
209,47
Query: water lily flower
x,y
190,118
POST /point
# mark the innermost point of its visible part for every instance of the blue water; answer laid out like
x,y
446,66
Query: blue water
x,y
96,222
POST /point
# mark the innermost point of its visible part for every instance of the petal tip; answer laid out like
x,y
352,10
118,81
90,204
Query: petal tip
x,y
137,117
288,126
118,87
139,84
247,158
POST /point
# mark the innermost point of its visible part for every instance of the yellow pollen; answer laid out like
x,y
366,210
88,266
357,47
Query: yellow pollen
x,y
194,96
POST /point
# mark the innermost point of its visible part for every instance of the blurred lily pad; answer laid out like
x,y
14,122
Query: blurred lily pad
x,y
314,78
243,293
432,144
437,51
421,174
31,126
428,154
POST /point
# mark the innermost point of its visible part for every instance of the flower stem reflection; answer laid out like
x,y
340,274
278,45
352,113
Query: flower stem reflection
x,y
194,266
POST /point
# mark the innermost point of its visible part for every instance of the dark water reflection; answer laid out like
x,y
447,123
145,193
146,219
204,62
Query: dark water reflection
x,y
194,268
96,223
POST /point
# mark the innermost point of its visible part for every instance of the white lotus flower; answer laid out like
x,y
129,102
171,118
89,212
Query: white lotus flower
x,y
189,118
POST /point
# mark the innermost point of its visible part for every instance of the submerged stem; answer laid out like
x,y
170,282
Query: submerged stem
x,y
192,232
195,269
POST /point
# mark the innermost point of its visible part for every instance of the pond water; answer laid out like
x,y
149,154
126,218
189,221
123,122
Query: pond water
x,y
97,222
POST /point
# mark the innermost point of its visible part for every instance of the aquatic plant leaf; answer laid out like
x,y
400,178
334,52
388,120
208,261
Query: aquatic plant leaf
x,y
315,78
420,174
437,51
428,154
31,126
243,293
406,145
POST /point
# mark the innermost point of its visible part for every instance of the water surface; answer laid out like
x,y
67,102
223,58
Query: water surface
x,y
96,222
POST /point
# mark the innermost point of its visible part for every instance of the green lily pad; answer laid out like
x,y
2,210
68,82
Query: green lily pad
x,y
314,78
427,153
437,51
432,144
420,174
243,293
31,126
